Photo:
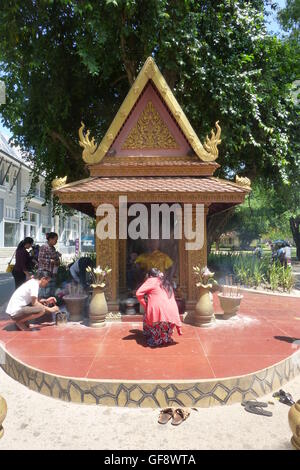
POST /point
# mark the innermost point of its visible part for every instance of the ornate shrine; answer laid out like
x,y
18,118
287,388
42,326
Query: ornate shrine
x,y
151,154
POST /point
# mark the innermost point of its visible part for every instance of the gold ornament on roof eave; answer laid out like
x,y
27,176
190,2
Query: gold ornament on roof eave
x,y
211,144
58,182
243,181
89,146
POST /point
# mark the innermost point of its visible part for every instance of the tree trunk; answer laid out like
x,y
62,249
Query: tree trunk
x,y
295,226
216,224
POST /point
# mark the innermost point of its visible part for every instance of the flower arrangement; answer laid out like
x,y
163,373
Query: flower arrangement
x,y
205,276
98,275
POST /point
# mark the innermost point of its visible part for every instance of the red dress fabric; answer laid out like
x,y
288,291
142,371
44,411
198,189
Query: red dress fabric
x,y
159,307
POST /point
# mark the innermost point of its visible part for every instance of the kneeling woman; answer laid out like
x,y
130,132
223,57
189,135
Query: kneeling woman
x,y
161,311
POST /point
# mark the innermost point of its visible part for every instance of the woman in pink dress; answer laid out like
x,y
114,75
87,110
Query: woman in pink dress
x,y
161,311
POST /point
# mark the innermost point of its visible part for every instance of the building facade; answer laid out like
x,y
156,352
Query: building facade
x,y
20,218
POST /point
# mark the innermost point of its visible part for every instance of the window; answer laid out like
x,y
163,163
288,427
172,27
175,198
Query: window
x,y
30,217
30,224
46,230
33,217
42,190
29,231
46,221
10,212
67,236
10,234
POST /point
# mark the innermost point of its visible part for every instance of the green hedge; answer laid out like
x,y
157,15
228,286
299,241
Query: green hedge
x,y
251,271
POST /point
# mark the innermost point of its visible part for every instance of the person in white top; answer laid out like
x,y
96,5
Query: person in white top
x,y
287,255
24,304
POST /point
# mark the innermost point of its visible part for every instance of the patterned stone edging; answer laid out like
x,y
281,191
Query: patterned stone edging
x,y
152,394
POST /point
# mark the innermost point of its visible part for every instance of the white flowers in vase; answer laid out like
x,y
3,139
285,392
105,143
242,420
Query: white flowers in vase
x,y
98,275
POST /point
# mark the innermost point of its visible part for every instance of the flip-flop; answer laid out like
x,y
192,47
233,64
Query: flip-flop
x,y
257,408
284,397
165,415
180,415
255,403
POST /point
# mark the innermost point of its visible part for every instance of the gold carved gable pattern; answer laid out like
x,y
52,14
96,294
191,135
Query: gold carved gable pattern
x,y
150,132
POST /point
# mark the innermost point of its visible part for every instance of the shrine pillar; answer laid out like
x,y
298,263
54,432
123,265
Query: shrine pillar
x,y
107,254
195,258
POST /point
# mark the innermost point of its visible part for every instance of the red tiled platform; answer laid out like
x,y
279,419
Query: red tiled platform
x,y
262,335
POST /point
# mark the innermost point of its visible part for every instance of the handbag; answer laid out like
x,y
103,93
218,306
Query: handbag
x,y
10,266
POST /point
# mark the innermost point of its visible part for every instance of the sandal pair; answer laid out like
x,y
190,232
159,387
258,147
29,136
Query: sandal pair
x,y
177,415
256,407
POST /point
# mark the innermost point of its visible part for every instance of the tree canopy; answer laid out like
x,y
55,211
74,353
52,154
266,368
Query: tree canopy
x,y
64,61
289,18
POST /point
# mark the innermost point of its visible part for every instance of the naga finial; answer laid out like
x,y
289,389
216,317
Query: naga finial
x,y
243,181
212,143
89,146
58,182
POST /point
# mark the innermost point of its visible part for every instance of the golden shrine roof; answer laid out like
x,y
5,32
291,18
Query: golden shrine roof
x,y
209,188
153,166
93,153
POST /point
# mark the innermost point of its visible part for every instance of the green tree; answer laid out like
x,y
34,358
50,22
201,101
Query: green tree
x,y
268,213
64,61
289,18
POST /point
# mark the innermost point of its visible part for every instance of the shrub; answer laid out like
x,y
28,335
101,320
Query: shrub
x,y
252,271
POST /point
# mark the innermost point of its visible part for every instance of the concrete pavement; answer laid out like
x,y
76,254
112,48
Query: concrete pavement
x,y
35,421
7,287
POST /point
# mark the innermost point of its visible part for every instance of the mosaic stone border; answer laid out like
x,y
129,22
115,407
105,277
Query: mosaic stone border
x,y
154,394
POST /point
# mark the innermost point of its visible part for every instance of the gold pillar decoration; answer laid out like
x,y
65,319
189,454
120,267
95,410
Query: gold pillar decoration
x,y
182,254
193,258
107,254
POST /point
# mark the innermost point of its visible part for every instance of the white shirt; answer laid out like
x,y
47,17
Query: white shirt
x,y
288,252
22,296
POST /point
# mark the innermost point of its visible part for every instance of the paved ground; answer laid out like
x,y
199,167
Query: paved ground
x,y
6,287
38,422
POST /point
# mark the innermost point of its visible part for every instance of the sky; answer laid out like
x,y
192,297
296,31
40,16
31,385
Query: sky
x,y
272,26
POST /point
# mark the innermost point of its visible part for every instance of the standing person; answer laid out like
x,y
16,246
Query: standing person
x,y
161,310
49,260
287,255
78,270
24,304
21,269
281,254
